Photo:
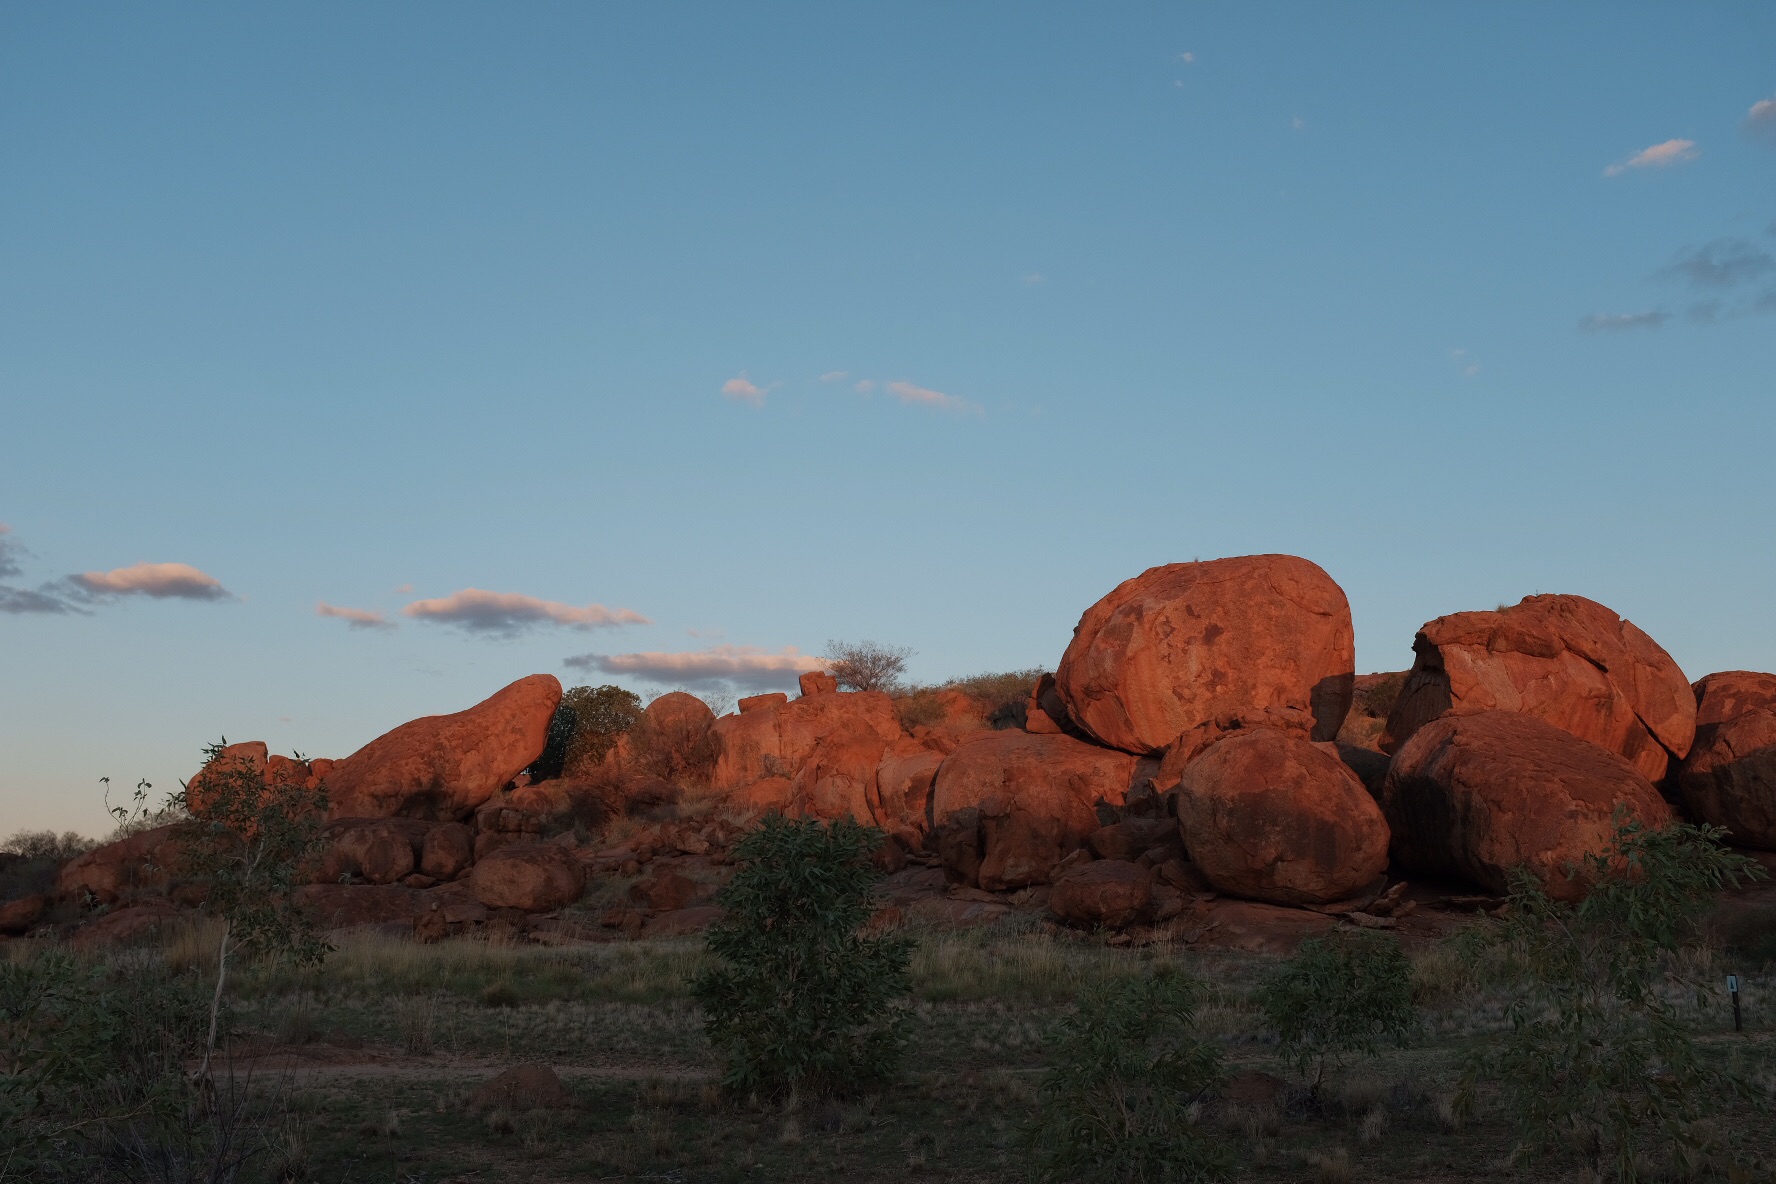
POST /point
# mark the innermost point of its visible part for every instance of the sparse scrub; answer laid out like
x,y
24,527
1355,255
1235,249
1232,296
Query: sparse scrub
x,y
866,665
802,1001
587,725
1339,998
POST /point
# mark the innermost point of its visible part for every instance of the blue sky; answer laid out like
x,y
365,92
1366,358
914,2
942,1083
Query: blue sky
x,y
368,305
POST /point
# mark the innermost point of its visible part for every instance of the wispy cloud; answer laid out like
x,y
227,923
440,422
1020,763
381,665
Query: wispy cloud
x,y
356,618
742,667
508,613
1760,121
1033,279
10,550
42,600
1296,123
1723,263
864,386
1615,322
921,396
1658,156
403,589
835,376
743,390
179,581
1465,363
1188,58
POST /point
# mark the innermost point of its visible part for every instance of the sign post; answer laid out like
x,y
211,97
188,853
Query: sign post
x,y
1733,990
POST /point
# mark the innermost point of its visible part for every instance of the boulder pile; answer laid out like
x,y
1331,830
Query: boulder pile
x,y
1176,778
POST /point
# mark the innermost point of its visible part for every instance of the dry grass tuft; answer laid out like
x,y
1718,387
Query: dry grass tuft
x,y
1333,1167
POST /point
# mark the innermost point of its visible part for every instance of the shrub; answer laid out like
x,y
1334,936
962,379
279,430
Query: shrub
x,y
866,665
586,726
1338,998
1126,1071
1597,1058
803,1002
675,751
1379,699
30,859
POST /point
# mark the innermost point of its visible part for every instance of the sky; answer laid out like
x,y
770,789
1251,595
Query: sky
x,y
357,359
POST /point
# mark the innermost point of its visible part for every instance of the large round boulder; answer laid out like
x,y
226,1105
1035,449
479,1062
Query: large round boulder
x,y
1271,815
1729,777
671,740
535,877
1188,643
375,850
1566,660
443,766
1106,893
1035,800
143,864
1476,796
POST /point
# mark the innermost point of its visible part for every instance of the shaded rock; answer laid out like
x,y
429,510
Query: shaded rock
x,y
1252,927
377,850
1477,795
1107,893
1273,816
940,911
129,924
342,906
904,778
1188,643
1729,777
522,1087
17,916
443,766
1132,837
665,890
447,910
682,922
1036,799
764,795
777,740
140,865
671,740
1046,713
534,877
1566,660
447,852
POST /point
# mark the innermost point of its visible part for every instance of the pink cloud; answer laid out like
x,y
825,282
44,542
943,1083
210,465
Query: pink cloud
x,y
742,390
160,580
479,611
1659,156
357,618
1760,121
743,666
920,396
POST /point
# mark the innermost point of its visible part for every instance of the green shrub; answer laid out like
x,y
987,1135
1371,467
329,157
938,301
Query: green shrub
x,y
1126,1072
1338,998
1598,1058
802,1001
585,727
1379,699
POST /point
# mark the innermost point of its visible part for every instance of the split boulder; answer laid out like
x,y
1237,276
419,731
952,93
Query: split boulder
x,y
1729,777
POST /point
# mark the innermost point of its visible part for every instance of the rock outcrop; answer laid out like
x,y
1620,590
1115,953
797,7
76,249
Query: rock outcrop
x,y
443,766
1272,816
1107,893
776,739
1034,799
903,789
1188,643
144,864
1729,777
534,877
1477,795
374,850
1566,660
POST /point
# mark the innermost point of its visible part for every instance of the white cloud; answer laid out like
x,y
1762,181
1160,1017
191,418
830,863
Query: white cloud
x,y
1658,156
835,376
356,618
921,396
864,387
741,390
741,666
1760,121
160,580
1187,58
1615,322
1298,123
479,611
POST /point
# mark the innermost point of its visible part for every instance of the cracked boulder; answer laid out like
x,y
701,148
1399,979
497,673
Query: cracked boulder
x,y
1270,815
1729,777
1569,662
1187,644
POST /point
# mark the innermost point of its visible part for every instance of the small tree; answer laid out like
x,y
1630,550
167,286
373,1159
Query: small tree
x,y
1598,1056
248,840
865,665
1339,997
803,1001
587,725
1125,1071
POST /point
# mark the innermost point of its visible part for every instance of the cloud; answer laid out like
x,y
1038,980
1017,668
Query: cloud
x,y
1297,123
178,581
1760,121
1467,365
743,391
404,589
906,392
864,387
10,549
835,376
743,667
1031,280
1187,58
1723,263
1658,156
356,618
44,600
508,613
1615,322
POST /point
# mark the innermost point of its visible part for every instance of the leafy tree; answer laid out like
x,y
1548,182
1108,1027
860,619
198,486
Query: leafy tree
x,y
586,725
1125,1070
248,840
1598,1055
866,665
803,1001
1339,997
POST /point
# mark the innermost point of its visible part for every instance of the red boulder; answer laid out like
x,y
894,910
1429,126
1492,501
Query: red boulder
x,y
143,864
1566,660
777,740
1188,643
1729,777
535,877
1478,795
1272,816
447,851
1107,893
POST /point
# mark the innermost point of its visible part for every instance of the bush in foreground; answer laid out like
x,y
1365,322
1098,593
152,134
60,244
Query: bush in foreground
x,y
1337,999
803,1001
1120,1098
